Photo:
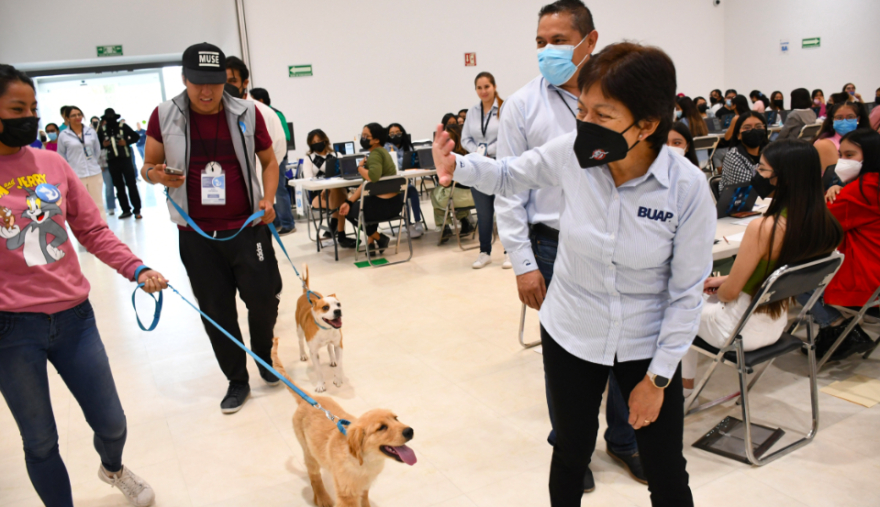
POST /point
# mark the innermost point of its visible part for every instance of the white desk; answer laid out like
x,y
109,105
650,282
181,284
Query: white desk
x,y
324,184
726,228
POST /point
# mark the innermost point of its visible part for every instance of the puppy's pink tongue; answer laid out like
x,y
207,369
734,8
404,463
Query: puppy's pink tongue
x,y
406,454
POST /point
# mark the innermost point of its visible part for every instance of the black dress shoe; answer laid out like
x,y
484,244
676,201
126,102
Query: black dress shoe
x,y
383,243
856,342
125,214
589,483
466,227
632,463
447,233
235,397
344,241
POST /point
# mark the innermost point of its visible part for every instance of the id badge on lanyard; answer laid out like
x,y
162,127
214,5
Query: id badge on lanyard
x,y
482,149
88,150
213,185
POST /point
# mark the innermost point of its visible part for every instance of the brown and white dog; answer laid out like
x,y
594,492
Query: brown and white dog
x,y
319,323
355,460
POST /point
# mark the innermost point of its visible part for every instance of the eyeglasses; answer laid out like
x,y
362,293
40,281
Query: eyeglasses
x,y
847,117
746,128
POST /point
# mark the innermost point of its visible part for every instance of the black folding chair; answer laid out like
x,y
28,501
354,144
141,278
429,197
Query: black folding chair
x,y
873,301
784,283
381,187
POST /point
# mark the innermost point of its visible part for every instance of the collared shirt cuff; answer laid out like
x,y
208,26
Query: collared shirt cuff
x,y
523,261
664,364
465,172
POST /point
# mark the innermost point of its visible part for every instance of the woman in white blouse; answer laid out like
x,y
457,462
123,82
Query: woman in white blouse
x,y
80,147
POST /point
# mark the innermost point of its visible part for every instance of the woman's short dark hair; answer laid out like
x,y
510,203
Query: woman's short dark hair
x,y
685,132
741,104
320,135
641,77
817,91
800,99
378,132
811,231
868,140
407,143
755,94
8,74
728,92
734,138
581,17
50,125
262,95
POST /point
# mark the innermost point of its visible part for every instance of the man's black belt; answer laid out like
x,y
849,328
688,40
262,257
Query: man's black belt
x,y
544,231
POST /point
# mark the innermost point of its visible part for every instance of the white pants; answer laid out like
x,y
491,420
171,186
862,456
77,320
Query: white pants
x,y
719,319
95,186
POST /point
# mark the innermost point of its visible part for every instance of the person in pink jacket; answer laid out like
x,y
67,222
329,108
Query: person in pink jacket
x,y
45,314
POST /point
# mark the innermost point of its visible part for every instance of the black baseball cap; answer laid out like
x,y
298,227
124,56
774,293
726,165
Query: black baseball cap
x,y
204,64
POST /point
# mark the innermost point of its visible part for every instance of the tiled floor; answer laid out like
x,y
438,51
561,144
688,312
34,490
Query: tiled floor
x,y
435,341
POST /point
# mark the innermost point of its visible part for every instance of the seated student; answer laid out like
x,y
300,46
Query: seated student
x,y
843,118
690,116
462,117
850,89
759,101
790,170
398,144
740,106
727,106
819,103
741,160
319,156
449,120
372,168
702,106
680,141
462,196
857,207
777,104
716,99
801,115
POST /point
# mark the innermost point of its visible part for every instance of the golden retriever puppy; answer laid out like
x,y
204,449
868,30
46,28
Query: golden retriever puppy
x,y
354,460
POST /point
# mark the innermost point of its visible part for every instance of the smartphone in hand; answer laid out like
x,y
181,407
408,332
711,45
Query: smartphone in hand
x,y
173,171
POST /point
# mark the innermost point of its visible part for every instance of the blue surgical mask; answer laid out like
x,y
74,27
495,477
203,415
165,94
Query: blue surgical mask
x,y
52,136
555,62
844,127
677,114
728,102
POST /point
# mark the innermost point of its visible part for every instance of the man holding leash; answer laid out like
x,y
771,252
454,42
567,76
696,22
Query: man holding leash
x,y
203,145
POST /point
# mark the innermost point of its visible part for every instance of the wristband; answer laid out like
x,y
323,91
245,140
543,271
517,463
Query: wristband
x,y
147,176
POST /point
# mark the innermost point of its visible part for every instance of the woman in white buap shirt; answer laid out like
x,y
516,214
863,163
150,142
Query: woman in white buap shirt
x,y
635,246
480,135
79,146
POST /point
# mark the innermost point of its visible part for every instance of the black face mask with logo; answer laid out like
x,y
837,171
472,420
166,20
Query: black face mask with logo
x,y
18,132
762,185
596,145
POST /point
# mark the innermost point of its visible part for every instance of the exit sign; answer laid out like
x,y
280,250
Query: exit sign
x,y
470,59
812,42
110,50
299,70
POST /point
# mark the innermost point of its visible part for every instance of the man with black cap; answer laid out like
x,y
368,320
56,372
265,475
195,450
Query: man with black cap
x,y
117,138
203,145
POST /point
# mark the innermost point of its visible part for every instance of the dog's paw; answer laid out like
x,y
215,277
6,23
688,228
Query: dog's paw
x,y
333,364
323,500
337,382
303,358
320,388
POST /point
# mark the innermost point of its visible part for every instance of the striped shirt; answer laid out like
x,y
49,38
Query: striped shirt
x,y
628,279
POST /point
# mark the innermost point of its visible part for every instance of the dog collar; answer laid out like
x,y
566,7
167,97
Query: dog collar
x,y
319,325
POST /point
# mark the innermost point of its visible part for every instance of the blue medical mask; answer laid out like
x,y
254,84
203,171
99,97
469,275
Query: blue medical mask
x,y
844,127
52,136
677,114
728,102
555,62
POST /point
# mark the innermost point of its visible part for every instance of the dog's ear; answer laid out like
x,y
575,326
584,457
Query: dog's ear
x,y
356,437
332,295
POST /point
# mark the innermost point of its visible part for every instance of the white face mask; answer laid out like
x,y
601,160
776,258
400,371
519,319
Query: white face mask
x,y
848,169
677,149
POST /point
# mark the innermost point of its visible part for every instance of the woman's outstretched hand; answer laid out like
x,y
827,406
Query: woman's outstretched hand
x,y
444,160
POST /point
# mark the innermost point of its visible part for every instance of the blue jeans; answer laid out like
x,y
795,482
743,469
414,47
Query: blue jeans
x,y
485,205
412,195
620,436
823,314
109,197
70,341
283,213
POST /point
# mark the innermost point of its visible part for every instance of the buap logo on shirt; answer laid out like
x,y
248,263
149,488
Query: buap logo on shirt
x,y
654,214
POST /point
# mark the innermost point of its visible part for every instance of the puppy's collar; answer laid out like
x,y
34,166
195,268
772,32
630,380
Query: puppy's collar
x,y
319,325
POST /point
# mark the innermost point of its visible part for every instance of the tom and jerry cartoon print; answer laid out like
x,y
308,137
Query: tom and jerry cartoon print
x,y
29,206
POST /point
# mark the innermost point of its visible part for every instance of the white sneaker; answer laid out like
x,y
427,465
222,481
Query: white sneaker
x,y
482,261
135,489
507,264
419,228
414,232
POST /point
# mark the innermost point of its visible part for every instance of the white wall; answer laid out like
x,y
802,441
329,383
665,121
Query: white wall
x,y
391,61
849,52
33,31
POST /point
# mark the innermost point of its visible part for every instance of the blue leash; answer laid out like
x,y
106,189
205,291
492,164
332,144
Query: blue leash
x,y
340,423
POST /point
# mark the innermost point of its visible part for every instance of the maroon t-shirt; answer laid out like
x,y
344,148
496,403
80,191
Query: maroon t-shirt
x,y
211,141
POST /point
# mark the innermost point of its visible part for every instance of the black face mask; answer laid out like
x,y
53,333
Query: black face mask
x,y
754,138
318,161
396,139
365,143
318,147
596,145
877,100
702,107
95,125
762,185
232,90
18,132
777,104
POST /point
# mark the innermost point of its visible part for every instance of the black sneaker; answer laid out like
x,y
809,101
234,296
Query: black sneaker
x,y
344,241
447,233
268,377
126,214
632,463
466,227
235,397
383,243
589,483
857,342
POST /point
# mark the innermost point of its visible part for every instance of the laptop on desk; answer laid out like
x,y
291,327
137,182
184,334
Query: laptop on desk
x,y
772,116
713,124
410,160
784,115
349,166
736,199
344,148
426,159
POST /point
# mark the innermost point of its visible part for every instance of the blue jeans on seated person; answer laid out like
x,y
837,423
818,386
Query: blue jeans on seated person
x,y
412,195
620,436
283,213
823,314
70,341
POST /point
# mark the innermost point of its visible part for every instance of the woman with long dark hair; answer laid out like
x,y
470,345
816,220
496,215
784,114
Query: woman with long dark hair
x,y
857,207
680,141
740,107
317,163
399,142
843,118
818,97
749,136
795,228
691,117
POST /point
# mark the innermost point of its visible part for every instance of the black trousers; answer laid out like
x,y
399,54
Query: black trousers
x,y
217,269
122,173
576,388
376,209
